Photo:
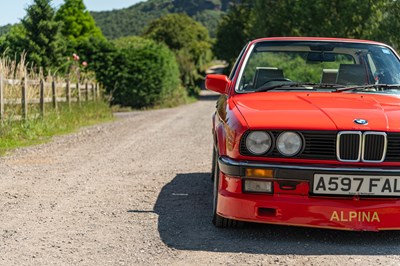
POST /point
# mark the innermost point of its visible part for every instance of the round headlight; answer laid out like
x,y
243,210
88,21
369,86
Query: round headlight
x,y
258,142
289,143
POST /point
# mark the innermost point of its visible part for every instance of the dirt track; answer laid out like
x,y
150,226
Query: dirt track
x,y
138,192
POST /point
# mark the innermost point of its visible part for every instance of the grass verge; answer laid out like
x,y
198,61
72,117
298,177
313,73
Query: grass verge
x,y
14,134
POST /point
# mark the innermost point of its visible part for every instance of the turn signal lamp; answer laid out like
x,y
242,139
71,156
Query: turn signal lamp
x,y
260,173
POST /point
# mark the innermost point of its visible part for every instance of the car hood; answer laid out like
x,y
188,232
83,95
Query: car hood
x,y
319,111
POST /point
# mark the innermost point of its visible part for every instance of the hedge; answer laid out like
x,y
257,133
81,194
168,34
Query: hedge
x,y
146,74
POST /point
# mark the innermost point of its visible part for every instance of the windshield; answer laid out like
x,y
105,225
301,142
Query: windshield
x,y
313,65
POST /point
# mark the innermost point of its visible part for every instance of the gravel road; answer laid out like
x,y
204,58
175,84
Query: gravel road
x,y
137,191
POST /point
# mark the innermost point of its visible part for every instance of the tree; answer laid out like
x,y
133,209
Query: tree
x,y
77,23
42,40
388,26
233,32
277,18
335,18
248,20
349,19
13,43
78,29
190,42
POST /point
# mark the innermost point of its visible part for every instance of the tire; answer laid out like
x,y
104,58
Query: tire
x,y
218,220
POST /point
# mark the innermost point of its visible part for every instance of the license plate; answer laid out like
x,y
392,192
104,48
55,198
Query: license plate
x,y
356,185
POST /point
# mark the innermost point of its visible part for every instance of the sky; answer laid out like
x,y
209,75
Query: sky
x,y
12,11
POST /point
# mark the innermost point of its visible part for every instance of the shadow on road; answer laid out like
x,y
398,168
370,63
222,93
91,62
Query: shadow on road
x,y
184,208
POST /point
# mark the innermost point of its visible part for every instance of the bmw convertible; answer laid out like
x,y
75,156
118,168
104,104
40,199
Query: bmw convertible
x,y
306,132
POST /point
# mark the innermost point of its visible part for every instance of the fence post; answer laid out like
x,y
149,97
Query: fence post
x,y
87,91
97,90
78,87
24,99
1,97
41,95
68,93
93,91
54,93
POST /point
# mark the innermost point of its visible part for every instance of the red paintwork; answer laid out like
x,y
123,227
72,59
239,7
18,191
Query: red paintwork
x,y
302,210
316,39
301,111
319,111
218,83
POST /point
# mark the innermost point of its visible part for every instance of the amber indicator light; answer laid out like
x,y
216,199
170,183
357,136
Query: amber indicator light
x,y
263,173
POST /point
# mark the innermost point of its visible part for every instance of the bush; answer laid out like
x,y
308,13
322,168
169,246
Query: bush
x,y
190,42
146,75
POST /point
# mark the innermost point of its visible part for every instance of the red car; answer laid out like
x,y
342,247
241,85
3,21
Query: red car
x,y
307,133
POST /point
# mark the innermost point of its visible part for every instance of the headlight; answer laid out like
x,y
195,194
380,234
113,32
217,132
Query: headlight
x,y
258,142
289,143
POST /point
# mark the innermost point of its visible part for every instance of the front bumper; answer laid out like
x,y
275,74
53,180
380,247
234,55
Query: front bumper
x,y
292,201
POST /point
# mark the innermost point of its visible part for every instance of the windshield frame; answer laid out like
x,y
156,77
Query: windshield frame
x,y
303,42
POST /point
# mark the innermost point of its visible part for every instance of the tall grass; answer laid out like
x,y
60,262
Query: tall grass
x,y
16,72
15,132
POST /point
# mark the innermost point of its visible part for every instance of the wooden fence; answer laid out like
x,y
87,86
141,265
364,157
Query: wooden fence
x,y
28,92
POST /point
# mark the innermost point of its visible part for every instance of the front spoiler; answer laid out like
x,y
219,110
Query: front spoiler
x,y
300,208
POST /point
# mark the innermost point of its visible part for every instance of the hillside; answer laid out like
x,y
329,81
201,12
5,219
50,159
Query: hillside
x,y
5,29
133,20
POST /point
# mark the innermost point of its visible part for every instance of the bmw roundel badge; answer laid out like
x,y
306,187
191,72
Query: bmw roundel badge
x,y
361,121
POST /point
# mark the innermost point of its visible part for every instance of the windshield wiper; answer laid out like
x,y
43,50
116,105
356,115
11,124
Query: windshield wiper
x,y
367,86
291,85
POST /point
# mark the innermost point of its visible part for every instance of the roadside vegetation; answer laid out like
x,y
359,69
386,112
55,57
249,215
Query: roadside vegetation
x,y
65,44
189,41
133,74
65,120
152,78
15,131
164,64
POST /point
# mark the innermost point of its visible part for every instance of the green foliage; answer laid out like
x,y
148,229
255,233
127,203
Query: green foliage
x,y
99,53
127,22
190,42
5,29
19,133
79,30
387,24
209,18
178,31
13,43
37,36
146,74
133,20
233,32
42,40
351,18
77,23
246,20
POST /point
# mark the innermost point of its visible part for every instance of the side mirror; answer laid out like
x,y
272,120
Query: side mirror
x,y
218,83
